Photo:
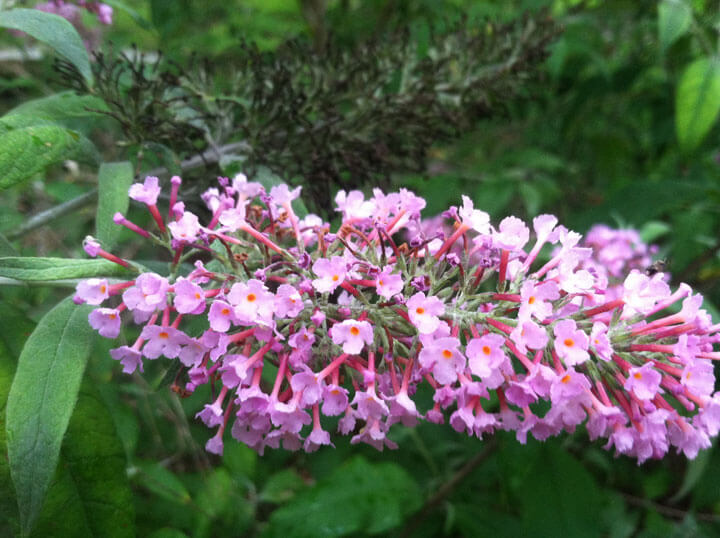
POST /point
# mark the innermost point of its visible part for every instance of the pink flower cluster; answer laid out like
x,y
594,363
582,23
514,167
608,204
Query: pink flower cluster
x,y
71,11
303,323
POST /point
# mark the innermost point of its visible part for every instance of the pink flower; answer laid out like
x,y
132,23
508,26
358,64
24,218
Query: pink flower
x,y
282,195
335,400
233,218
536,299
600,342
388,283
485,355
353,205
443,358
221,315
148,294
644,382
165,341
93,291
106,321
189,297
424,311
529,334
512,234
252,301
571,343
130,358
146,192
352,335
474,218
642,292
288,302
568,386
186,228
331,272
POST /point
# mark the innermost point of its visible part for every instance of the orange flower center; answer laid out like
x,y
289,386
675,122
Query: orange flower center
x,y
565,378
486,350
531,300
569,342
335,278
103,288
225,311
251,297
164,335
197,295
447,353
420,310
637,375
380,283
112,316
354,331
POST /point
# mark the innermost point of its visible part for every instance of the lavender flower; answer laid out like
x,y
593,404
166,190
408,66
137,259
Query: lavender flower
x,y
353,323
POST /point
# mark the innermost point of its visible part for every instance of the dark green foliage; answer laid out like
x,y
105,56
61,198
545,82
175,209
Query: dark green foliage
x,y
343,117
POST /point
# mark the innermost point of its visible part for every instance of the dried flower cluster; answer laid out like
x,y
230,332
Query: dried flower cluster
x,y
302,322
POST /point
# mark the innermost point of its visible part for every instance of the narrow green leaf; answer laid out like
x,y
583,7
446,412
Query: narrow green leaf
x,y
53,30
90,490
41,400
28,150
697,101
674,19
29,269
114,180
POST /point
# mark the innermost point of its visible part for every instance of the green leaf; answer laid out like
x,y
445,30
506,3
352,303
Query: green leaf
x,y
556,475
358,497
16,328
63,108
9,518
697,101
91,489
167,532
114,180
674,19
53,30
162,482
281,486
6,248
693,473
122,6
28,150
29,269
42,397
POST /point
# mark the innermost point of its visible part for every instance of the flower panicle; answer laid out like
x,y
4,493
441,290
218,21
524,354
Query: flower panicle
x,y
303,323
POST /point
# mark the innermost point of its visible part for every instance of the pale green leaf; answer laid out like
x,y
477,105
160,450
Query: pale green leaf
x,y
697,101
53,30
674,19
114,180
29,269
28,150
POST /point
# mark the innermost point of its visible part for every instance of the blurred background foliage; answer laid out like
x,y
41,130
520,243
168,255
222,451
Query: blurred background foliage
x,y
607,115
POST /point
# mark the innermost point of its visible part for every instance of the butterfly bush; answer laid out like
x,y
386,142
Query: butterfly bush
x,y
511,327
